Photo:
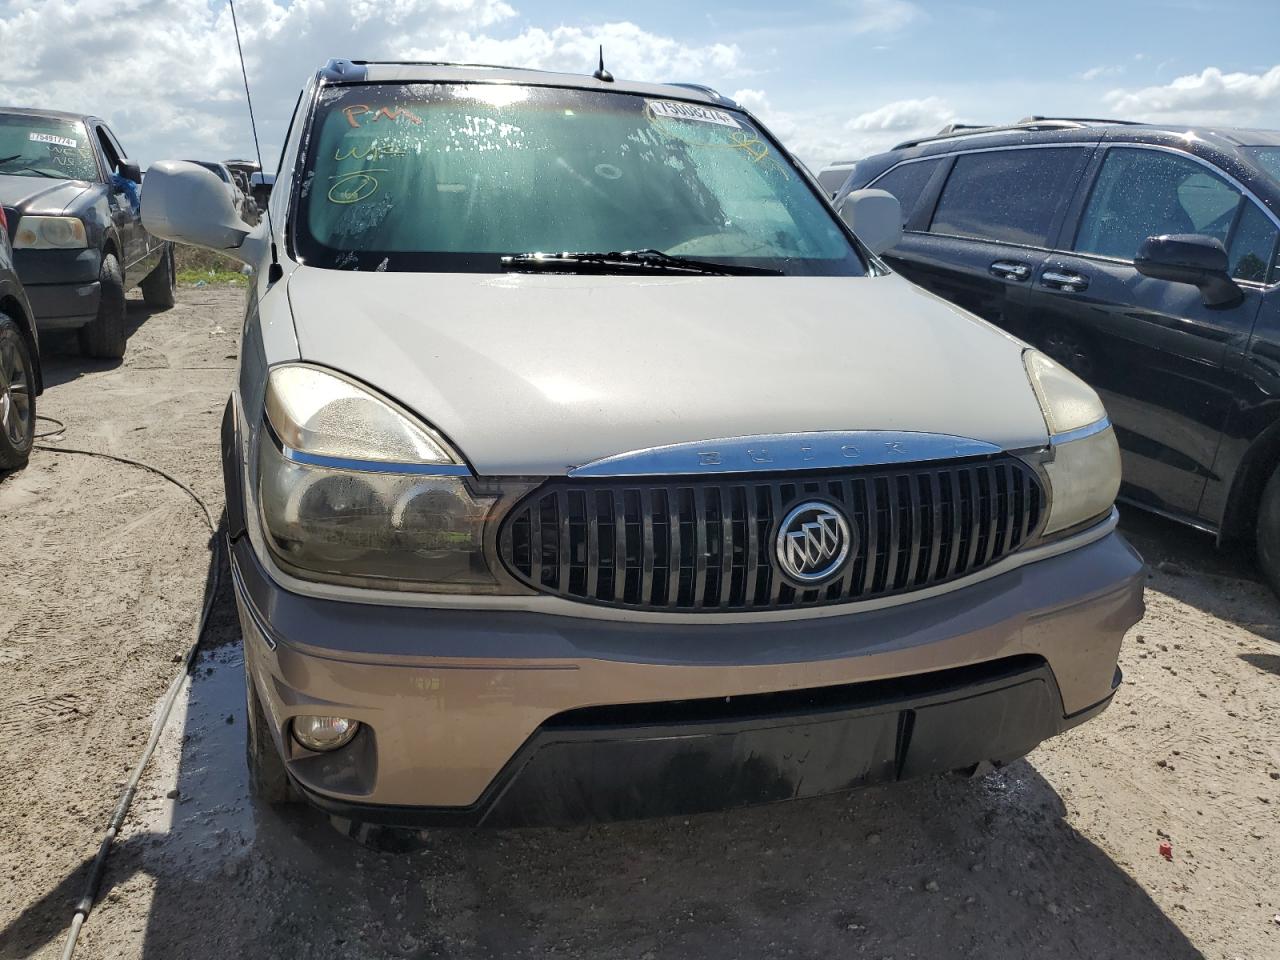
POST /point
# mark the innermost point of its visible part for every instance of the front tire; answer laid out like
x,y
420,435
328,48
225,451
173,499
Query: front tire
x,y
105,336
17,397
160,288
1268,532
269,782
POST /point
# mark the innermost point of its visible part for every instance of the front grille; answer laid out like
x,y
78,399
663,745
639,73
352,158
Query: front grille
x,y
706,543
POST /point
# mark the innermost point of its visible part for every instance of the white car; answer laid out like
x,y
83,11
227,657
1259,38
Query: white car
x,y
584,464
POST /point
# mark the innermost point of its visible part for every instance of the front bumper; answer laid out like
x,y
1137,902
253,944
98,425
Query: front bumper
x,y
62,285
517,719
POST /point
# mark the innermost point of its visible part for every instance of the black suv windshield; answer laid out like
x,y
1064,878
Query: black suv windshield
x,y
45,147
453,177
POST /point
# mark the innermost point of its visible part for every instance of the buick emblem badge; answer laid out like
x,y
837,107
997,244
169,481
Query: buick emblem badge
x,y
814,541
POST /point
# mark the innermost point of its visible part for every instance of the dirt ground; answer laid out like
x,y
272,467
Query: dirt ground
x,y
102,571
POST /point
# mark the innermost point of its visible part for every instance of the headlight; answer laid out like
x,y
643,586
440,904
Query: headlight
x,y
50,233
353,489
1084,460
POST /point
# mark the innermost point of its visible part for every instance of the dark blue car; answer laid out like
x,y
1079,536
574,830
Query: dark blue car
x,y
71,197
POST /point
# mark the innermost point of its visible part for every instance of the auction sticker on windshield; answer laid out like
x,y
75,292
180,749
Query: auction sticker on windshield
x,y
674,110
51,138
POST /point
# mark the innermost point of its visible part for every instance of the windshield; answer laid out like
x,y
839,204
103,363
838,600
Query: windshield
x,y
452,177
1268,158
217,168
45,147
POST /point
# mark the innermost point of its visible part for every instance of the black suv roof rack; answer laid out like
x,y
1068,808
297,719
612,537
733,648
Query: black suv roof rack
x,y
1084,121
1026,123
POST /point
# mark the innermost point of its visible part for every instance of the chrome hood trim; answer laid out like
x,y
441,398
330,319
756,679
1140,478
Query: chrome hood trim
x,y
786,451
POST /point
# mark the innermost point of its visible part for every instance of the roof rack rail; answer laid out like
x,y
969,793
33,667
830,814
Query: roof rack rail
x,y
953,130
1082,120
358,69
1026,123
708,91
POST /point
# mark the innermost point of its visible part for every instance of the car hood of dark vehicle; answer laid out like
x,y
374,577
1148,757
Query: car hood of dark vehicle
x,y
39,194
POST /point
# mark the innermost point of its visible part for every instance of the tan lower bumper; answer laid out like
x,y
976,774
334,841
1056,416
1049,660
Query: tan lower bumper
x,y
443,725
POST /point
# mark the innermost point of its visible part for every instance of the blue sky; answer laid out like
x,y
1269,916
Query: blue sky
x,y
835,78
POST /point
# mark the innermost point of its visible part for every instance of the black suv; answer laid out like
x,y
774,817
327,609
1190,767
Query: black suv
x,y
71,197
1144,258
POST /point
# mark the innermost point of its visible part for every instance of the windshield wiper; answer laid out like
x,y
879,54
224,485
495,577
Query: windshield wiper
x,y
30,169
7,159
631,260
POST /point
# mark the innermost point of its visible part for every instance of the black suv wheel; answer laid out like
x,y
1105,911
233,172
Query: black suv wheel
x,y
1268,531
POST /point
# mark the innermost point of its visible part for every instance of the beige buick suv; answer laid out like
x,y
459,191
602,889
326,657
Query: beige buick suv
x,y
584,463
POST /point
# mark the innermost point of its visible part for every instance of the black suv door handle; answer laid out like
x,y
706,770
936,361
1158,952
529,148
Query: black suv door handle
x,y
1011,269
1067,280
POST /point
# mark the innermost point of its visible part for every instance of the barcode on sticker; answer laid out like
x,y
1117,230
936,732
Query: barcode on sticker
x,y
51,138
674,110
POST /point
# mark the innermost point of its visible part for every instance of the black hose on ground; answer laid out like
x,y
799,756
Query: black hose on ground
x,y
60,428
94,880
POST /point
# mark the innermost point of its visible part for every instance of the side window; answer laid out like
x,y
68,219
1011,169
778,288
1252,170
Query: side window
x,y
1145,193
109,149
907,181
1008,195
1253,246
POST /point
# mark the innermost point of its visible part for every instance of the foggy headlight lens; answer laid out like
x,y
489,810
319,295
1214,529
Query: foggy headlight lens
x,y
1084,466
353,489
1085,476
324,733
50,233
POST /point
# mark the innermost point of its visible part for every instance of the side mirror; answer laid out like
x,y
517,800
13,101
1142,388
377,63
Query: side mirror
x,y
130,171
1190,258
184,202
875,216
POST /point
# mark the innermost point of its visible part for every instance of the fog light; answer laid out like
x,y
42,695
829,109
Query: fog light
x,y
324,733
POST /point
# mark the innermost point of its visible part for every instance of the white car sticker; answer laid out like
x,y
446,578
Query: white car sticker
x,y
674,110
51,138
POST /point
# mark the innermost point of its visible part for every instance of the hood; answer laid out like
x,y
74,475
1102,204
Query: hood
x,y
536,374
38,194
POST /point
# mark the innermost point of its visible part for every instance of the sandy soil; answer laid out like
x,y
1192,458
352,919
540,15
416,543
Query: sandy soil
x,y
102,569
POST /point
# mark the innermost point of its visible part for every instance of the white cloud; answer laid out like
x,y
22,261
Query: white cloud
x,y
819,137
1095,73
171,84
629,51
904,115
1210,96
885,16
172,88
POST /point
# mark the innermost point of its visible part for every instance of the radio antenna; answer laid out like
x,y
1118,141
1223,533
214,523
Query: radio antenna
x,y
601,73
275,272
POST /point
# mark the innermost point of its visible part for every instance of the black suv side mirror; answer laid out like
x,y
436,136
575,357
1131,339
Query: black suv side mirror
x,y
1190,258
130,171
